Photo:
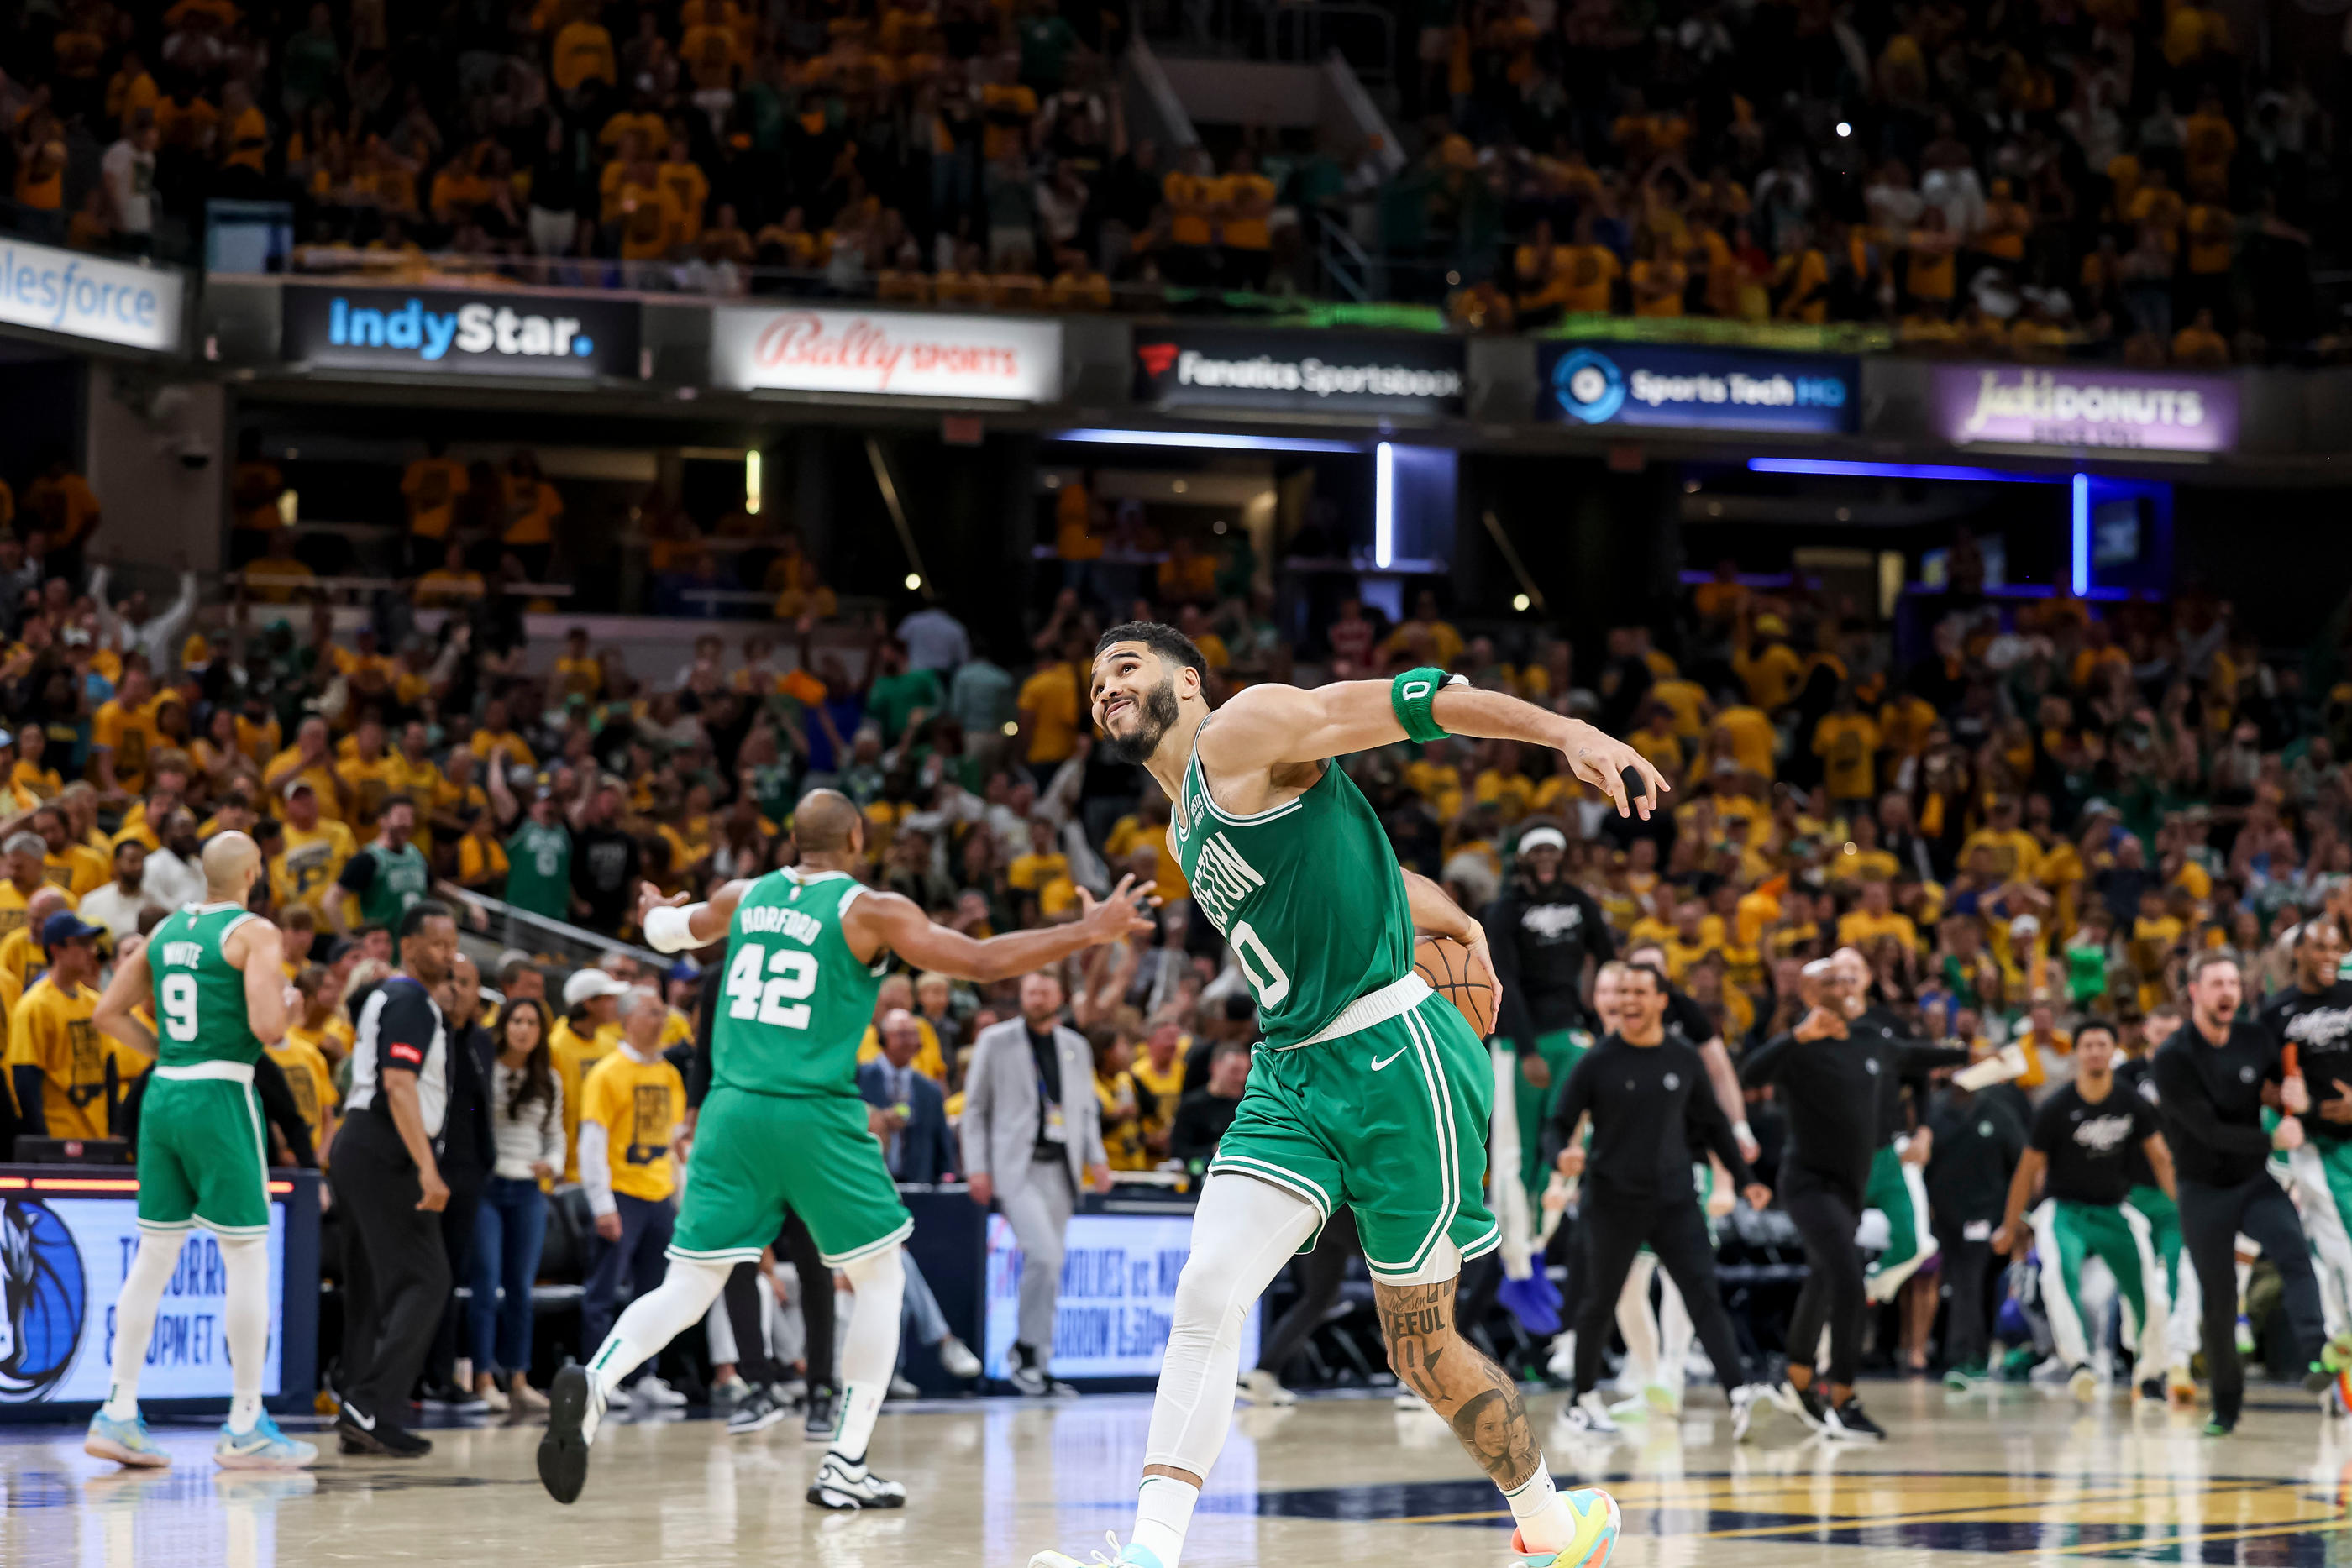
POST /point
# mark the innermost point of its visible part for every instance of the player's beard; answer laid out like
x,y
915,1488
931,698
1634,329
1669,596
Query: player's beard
x,y
1155,715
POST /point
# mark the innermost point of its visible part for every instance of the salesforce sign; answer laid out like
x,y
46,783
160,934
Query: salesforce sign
x,y
1706,388
90,296
573,337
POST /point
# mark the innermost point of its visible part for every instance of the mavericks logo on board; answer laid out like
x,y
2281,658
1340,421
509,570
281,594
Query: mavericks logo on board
x,y
43,1293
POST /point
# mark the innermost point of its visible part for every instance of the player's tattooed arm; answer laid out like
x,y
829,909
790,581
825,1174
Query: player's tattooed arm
x,y
1472,1394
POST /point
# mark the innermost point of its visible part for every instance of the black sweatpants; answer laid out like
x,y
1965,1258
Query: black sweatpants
x,y
395,1268
1319,1275
2210,1219
1826,1217
1967,1323
458,1219
1615,1234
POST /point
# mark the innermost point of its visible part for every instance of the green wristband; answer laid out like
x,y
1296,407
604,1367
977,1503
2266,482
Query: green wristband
x,y
1411,695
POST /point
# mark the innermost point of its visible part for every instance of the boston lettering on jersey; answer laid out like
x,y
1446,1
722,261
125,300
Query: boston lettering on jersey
x,y
1306,894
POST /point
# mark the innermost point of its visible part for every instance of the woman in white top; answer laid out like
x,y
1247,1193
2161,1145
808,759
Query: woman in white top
x,y
527,1125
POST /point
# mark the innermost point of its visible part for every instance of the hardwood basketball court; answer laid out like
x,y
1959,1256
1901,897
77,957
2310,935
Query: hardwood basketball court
x,y
2016,1474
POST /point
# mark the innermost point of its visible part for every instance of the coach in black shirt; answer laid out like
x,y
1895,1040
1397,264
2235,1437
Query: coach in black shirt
x,y
2213,1080
1645,1091
388,1186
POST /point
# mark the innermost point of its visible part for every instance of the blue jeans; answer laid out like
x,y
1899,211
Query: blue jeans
x,y
640,1253
919,1315
508,1230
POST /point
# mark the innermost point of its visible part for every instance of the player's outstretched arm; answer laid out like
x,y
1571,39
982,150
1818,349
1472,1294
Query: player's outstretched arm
x,y
131,984
889,920
1272,725
673,925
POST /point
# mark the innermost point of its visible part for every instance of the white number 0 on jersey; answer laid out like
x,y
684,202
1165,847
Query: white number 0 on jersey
x,y
791,978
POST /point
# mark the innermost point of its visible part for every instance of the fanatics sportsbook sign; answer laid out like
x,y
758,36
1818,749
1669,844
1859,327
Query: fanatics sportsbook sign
x,y
880,353
1298,373
2091,406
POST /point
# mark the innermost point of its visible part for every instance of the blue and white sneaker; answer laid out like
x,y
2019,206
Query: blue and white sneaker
x,y
1129,1556
124,1442
265,1447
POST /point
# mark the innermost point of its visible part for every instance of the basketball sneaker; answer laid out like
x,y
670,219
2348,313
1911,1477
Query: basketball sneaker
x,y
2083,1384
955,1357
2180,1387
816,1422
756,1411
124,1442
1805,1404
1260,1387
842,1484
1590,1414
1597,1525
575,1408
1128,1556
1744,1401
264,1447
1852,1422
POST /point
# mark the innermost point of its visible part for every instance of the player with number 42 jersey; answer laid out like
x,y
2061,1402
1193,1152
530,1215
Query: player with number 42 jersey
x,y
784,1127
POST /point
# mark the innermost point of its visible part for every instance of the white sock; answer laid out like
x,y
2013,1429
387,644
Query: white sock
x,y
1637,1322
1543,1520
134,1316
1163,1512
245,1260
654,1318
870,1349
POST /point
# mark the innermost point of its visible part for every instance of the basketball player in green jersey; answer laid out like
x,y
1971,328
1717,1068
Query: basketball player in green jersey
x,y
784,1125
213,974
1368,1090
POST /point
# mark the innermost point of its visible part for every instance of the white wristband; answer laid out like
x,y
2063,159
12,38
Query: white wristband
x,y
1743,1131
669,929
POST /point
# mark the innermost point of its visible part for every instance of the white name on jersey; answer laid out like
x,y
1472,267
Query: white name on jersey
x,y
1222,880
798,925
185,954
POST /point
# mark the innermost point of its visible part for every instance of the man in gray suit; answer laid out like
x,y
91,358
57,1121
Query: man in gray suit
x,y
1031,1136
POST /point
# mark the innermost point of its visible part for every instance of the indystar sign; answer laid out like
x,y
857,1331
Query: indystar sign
x,y
1220,367
574,336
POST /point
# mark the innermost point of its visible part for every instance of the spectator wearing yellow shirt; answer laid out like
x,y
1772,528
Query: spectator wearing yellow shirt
x,y
1145,832
124,733
1847,740
313,850
533,506
583,52
689,192
1744,733
1191,196
1427,637
1042,864
1658,276
1876,917
58,1066
587,1033
1053,704
633,1110
431,486
452,585
2198,344
2013,852
1657,741
1686,700
1245,202
310,761
1771,673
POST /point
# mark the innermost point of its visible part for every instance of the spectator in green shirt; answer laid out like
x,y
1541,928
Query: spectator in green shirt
x,y
898,695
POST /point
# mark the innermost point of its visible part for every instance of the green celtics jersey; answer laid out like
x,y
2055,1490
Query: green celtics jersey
x,y
402,878
539,869
1307,895
796,1000
199,994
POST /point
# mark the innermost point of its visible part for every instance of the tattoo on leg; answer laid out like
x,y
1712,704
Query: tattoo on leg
x,y
1470,1392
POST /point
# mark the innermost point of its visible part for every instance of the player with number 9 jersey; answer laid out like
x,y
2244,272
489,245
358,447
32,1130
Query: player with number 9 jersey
x,y
203,1154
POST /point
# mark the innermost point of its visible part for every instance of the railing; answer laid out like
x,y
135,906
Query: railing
x,y
502,926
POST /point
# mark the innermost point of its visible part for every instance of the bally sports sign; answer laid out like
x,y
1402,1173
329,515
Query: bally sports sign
x,y
887,354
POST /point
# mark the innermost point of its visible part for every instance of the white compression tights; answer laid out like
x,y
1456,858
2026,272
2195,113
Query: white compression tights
x,y
869,1347
1243,1233
244,1262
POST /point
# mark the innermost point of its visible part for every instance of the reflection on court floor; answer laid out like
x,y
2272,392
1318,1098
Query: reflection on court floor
x,y
2014,1475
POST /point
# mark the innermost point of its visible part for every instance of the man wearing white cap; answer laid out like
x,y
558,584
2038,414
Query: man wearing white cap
x,y
589,1032
1547,933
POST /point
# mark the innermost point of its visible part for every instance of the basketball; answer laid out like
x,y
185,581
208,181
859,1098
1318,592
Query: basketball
x,y
1445,965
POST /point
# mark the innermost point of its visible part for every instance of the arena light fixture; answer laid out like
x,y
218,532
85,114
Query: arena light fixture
x,y
2082,535
1205,440
1383,504
1840,468
751,482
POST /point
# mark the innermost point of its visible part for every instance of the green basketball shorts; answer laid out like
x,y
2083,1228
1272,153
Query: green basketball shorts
x,y
1390,1120
202,1156
756,1155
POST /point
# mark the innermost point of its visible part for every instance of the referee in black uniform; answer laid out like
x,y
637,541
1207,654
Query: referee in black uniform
x,y
387,1180
1645,1092
2213,1080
